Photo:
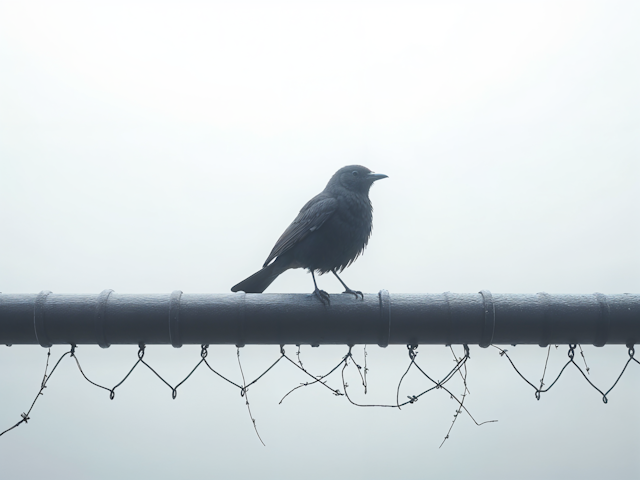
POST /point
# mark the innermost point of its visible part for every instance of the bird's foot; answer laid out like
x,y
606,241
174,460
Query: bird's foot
x,y
322,296
354,292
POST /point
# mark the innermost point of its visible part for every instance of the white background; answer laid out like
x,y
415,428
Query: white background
x,y
154,146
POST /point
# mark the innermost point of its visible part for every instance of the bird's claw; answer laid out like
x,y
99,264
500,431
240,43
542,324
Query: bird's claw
x,y
355,292
322,296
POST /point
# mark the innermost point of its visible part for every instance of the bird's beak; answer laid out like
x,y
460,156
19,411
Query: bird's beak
x,y
376,176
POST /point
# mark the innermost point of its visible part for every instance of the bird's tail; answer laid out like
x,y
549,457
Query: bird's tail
x,y
259,281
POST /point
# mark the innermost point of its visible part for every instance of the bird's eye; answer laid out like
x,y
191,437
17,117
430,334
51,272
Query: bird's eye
x,y
354,173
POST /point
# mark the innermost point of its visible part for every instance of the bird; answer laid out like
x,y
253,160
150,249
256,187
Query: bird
x,y
330,232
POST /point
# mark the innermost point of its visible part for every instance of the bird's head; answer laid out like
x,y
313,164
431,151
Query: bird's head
x,y
356,178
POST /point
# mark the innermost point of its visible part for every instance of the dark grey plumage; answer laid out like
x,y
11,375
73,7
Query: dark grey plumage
x,y
328,234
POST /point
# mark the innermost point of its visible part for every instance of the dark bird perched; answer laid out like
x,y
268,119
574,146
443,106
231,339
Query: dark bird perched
x,y
328,234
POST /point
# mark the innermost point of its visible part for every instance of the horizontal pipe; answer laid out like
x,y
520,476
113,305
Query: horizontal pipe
x,y
111,318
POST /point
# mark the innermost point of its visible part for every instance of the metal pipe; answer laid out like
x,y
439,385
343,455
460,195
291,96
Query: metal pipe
x,y
240,319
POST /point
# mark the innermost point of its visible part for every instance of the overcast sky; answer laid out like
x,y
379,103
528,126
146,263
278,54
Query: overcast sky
x,y
154,146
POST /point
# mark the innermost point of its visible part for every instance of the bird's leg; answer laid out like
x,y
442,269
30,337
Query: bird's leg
x,y
347,289
321,294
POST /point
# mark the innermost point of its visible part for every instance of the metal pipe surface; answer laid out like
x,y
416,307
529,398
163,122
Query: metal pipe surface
x,y
240,319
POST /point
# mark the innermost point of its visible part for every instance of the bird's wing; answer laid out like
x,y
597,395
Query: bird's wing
x,y
311,217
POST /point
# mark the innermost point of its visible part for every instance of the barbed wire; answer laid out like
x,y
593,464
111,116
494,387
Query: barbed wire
x,y
347,361
25,416
571,361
